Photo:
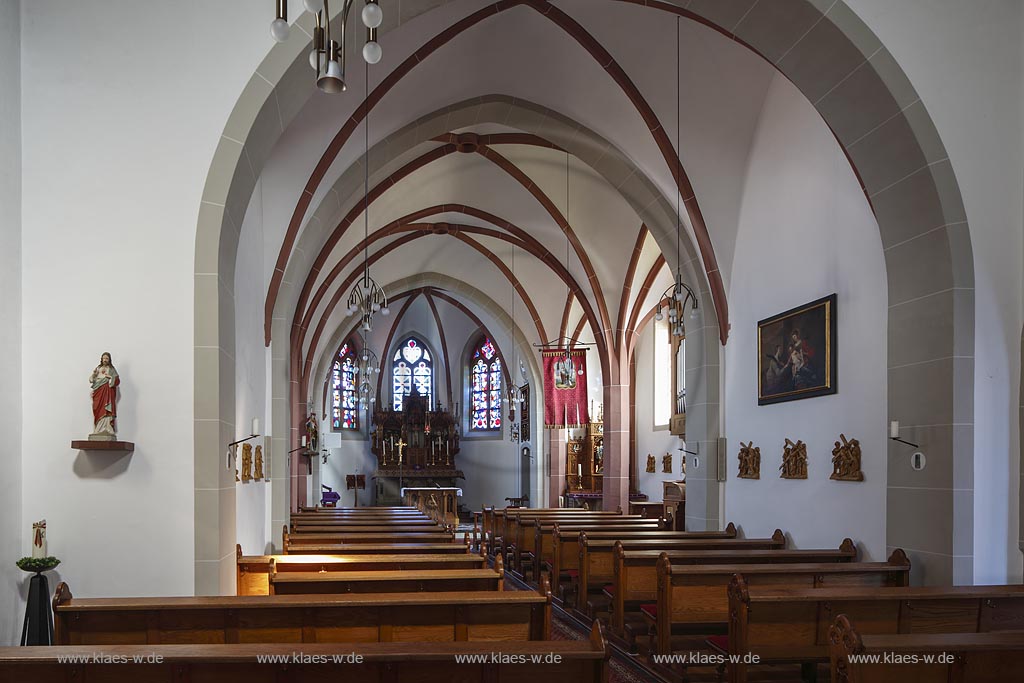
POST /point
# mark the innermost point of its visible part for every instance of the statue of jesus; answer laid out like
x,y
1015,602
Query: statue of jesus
x,y
104,380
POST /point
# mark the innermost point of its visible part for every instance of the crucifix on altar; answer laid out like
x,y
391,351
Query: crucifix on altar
x,y
401,449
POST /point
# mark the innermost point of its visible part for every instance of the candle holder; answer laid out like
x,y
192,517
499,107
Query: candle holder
x,y
38,626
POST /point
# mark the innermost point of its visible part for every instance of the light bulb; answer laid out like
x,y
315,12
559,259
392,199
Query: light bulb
x,y
693,313
279,30
372,51
373,15
679,294
659,316
365,358
375,307
385,311
313,5
316,59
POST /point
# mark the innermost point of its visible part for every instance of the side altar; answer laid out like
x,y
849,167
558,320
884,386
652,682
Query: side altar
x,y
414,447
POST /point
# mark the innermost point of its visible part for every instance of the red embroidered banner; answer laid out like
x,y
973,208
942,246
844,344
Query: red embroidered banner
x,y
565,388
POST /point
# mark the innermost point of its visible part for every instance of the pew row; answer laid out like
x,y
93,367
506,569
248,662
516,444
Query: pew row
x,y
376,548
597,555
518,528
359,618
791,625
924,658
253,571
289,539
432,580
498,519
534,545
564,554
636,572
694,598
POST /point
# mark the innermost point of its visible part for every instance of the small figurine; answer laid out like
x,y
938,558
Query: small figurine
x,y
666,463
258,468
846,460
650,463
104,380
750,461
246,462
794,460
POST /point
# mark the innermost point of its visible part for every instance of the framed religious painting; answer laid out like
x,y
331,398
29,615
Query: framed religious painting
x,y
796,353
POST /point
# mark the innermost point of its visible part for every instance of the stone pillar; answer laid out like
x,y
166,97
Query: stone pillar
x,y
616,437
557,451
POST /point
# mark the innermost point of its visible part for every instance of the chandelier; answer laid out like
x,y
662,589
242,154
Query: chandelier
x,y
327,57
675,299
366,369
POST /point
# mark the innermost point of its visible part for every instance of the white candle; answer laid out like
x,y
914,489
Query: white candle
x,y
579,470
255,425
894,429
303,440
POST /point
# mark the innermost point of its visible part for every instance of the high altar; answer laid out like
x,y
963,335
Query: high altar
x,y
415,447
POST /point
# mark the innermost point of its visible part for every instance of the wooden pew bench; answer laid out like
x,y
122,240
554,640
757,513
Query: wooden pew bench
x,y
343,529
426,580
636,575
541,537
694,598
519,525
501,521
369,524
579,661
328,538
941,658
564,561
791,625
363,618
376,548
597,557
253,571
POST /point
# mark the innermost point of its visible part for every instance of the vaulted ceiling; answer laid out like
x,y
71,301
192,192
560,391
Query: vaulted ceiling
x,y
517,150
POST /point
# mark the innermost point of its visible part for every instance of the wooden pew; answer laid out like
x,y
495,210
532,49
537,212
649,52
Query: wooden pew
x,y
782,625
597,555
636,571
512,538
500,519
694,598
938,658
536,544
327,538
364,522
426,580
566,551
363,618
376,548
369,510
579,661
343,529
253,571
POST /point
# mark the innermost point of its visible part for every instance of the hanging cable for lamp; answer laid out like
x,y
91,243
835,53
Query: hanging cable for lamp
x,y
677,296
367,298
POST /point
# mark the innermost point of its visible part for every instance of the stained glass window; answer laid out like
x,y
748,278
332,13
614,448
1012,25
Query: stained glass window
x,y
412,370
485,386
344,403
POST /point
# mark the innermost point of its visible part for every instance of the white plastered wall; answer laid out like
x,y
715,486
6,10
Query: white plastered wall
x,y
806,231
117,143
